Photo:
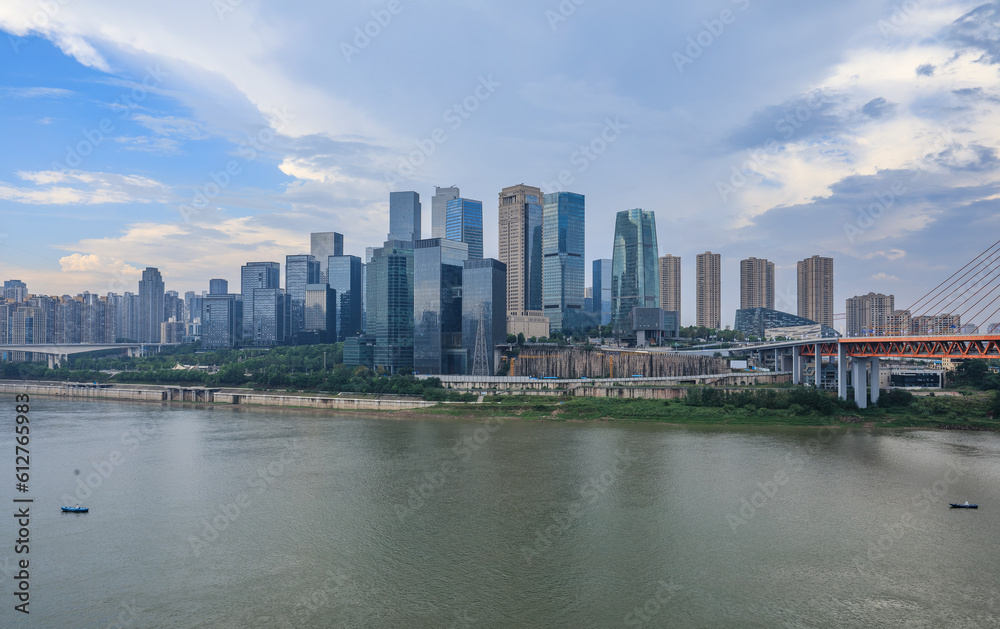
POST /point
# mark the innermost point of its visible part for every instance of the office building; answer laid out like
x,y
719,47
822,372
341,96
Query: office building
x,y
484,313
635,272
151,306
300,271
520,240
173,306
270,318
221,320
254,275
869,315
708,284
320,314
347,279
464,223
756,283
563,262
439,210
815,294
390,305
602,289
15,290
670,283
437,306
215,287
404,216
322,245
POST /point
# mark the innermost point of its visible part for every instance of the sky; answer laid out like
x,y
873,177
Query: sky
x,y
198,135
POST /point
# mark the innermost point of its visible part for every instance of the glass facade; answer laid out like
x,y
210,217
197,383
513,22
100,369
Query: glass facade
x,y
437,306
269,322
256,275
300,271
484,299
635,269
321,312
404,216
602,289
389,290
221,321
439,209
322,245
533,251
756,321
150,305
346,278
464,223
563,261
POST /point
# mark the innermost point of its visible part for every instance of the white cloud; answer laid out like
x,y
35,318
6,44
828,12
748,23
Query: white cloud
x,y
83,188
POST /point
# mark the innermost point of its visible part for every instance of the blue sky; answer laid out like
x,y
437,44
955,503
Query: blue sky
x,y
200,135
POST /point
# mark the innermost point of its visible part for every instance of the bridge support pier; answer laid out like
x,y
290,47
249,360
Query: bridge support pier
x,y
796,365
874,382
818,366
860,378
841,371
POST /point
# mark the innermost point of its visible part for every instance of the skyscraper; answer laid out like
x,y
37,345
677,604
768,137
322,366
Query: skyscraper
x,y
390,305
709,290
150,305
464,223
756,283
439,209
253,276
300,271
484,313
404,216
217,287
322,246
563,262
870,315
15,290
221,321
635,274
437,306
346,273
321,313
670,283
269,322
521,247
602,289
815,294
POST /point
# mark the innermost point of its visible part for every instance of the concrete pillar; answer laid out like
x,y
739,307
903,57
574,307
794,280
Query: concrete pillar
x,y
841,371
860,378
52,361
874,380
818,378
777,360
796,364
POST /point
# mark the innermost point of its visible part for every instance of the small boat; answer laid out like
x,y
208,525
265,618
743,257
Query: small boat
x,y
955,505
76,509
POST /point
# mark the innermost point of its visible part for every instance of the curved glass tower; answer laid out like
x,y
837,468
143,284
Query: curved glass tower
x,y
635,271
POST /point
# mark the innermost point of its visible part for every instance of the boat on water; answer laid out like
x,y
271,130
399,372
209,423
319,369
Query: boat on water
x,y
955,505
76,509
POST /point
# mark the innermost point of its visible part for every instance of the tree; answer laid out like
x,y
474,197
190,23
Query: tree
x,y
511,339
520,338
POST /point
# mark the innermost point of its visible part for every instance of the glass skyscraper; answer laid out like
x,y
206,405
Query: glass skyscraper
x,y
300,271
345,278
322,245
602,289
255,275
484,300
563,263
221,321
439,209
635,271
150,305
437,306
321,312
404,216
390,305
464,223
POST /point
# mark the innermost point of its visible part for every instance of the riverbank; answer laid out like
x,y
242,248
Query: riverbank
x,y
946,413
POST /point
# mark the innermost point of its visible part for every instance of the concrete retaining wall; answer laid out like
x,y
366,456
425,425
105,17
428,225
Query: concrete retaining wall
x,y
332,403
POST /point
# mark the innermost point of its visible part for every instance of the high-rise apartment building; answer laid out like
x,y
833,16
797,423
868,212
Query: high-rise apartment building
x,y
389,288
520,241
300,271
151,307
253,276
439,210
670,283
815,289
464,223
563,262
602,289
708,285
484,313
322,245
870,315
756,283
346,278
404,216
437,306
635,273
15,290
